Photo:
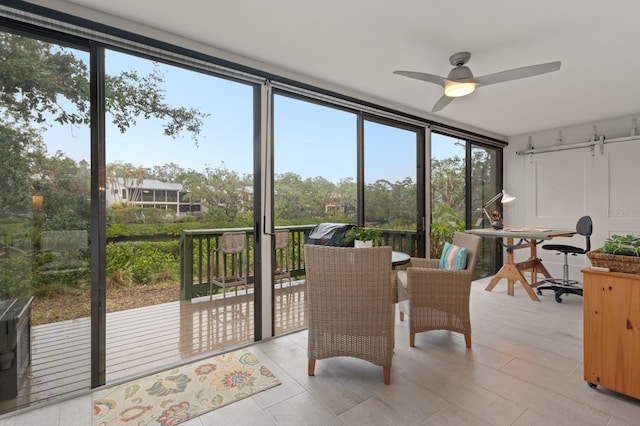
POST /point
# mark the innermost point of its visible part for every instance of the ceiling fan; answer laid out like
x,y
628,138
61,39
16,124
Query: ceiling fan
x,y
461,82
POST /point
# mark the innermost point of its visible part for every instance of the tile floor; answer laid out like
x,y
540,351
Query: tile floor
x,y
525,368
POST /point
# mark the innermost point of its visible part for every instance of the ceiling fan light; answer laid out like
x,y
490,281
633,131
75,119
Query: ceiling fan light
x,y
456,89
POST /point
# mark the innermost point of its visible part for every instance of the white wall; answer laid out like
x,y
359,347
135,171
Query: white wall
x,y
554,189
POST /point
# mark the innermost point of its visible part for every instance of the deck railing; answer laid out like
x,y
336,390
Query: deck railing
x,y
199,260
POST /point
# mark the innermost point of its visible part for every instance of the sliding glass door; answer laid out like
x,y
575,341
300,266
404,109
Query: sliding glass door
x,y
314,182
485,185
464,177
392,184
448,189
45,220
180,158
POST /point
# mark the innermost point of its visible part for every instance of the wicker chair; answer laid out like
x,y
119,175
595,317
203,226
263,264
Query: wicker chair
x,y
351,307
438,299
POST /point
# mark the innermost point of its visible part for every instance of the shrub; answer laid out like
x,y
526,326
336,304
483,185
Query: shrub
x,y
15,279
141,261
445,222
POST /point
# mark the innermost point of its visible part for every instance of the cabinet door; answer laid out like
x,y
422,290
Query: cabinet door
x,y
612,333
593,290
622,301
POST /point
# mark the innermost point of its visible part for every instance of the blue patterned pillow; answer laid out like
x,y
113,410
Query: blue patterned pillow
x,y
453,258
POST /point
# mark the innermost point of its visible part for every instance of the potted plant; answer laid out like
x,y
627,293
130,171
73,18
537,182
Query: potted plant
x,y
620,253
362,237
626,245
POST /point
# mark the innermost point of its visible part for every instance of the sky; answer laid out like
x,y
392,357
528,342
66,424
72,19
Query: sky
x,y
309,139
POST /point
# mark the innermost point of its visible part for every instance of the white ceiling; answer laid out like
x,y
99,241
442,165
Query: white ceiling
x,y
357,44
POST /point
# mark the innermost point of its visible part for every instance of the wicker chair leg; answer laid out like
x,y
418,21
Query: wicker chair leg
x,y
412,339
386,371
401,316
467,339
312,367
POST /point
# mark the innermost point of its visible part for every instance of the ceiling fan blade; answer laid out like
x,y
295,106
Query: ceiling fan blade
x,y
431,78
517,73
442,102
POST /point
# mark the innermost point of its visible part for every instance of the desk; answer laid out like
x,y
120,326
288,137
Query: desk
x,y
512,271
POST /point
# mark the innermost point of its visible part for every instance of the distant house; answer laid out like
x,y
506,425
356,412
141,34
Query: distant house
x,y
150,193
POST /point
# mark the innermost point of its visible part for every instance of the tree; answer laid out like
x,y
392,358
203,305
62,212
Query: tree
x,y
34,74
378,201
296,198
483,182
226,193
448,183
170,172
65,187
290,200
405,204
347,191
41,83
15,166
128,177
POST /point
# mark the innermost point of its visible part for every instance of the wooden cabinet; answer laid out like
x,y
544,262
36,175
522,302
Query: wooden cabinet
x,y
612,331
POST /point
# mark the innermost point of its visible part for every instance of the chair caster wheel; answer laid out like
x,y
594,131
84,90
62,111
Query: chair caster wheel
x,y
539,292
559,299
592,385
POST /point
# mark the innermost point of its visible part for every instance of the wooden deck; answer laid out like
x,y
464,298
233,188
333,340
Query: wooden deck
x,y
146,339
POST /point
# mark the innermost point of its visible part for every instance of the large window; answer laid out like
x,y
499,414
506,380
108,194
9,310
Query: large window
x,y
191,136
485,184
114,155
448,189
45,211
464,177
390,176
315,150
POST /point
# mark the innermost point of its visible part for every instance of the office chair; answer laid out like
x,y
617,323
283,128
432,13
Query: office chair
x,y
564,285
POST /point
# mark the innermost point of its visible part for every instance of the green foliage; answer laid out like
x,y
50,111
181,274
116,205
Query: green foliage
x,y
34,73
628,245
141,262
390,202
446,221
42,83
15,276
119,230
448,182
15,169
362,234
65,187
124,213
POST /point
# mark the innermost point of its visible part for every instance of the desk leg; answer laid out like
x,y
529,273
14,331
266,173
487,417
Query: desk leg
x,y
511,273
534,256
534,266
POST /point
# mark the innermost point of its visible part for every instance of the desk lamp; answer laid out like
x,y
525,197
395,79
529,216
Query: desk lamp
x,y
495,217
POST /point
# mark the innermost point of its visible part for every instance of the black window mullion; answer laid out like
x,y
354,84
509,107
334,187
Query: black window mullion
x,y
98,217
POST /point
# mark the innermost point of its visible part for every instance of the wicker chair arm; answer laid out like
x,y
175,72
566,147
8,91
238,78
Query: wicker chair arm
x,y
426,283
421,262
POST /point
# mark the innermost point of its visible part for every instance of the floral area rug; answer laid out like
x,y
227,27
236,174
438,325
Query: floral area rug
x,y
188,391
